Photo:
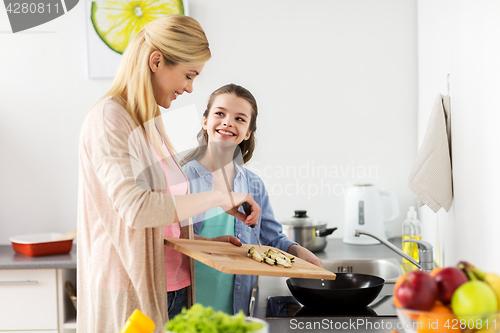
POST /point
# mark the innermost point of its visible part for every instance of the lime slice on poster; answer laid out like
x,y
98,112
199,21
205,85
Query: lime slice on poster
x,y
117,22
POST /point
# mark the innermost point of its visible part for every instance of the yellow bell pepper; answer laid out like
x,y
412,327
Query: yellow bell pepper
x,y
138,322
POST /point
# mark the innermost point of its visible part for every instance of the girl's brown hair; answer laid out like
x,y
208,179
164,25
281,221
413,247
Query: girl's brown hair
x,y
246,146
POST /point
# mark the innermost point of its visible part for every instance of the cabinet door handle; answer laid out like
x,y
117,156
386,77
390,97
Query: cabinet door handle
x,y
4,283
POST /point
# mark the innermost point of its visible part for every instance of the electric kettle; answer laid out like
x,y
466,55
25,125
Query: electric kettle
x,y
364,210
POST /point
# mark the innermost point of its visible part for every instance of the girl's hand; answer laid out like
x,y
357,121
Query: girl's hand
x,y
238,199
227,239
224,238
305,254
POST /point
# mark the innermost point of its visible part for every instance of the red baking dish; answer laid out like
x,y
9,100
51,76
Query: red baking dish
x,y
45,244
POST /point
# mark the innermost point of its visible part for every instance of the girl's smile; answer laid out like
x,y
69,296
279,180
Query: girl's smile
x,y
225,133
228,119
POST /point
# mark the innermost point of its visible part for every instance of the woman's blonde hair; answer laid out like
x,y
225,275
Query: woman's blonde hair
x,y
246,147
180,39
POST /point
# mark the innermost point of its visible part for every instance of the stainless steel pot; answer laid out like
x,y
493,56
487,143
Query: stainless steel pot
x,y
306,231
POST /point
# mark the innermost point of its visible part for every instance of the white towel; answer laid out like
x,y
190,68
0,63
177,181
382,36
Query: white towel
x,y
431,177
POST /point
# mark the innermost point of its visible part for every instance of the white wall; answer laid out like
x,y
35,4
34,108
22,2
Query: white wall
x,y
44,95
461,38
335,82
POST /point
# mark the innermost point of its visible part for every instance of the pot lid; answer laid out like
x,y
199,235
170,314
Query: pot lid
x,y
301,219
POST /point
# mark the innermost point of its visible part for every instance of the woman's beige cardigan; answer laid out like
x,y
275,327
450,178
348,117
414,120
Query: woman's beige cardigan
x,y
122,205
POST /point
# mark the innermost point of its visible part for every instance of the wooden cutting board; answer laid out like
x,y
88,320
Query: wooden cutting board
x,y
232,259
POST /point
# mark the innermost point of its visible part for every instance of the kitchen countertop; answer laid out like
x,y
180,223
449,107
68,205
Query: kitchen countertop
x,y
12,260
268,286
335,249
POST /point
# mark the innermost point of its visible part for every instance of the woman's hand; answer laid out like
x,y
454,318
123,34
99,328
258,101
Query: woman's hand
x,y
235,200
304,254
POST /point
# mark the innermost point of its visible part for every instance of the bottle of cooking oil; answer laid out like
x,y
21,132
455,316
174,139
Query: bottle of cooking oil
x,y
412,229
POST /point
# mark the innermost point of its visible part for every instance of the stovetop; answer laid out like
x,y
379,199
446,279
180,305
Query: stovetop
x,y
288,306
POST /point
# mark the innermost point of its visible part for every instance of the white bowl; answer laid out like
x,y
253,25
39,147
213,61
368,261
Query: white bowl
x,y
264,329
35,238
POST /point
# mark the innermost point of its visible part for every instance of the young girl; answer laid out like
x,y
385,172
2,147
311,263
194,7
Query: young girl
x,y
228,136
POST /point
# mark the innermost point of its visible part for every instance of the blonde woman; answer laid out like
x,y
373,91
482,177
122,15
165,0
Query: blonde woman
x,y
132,192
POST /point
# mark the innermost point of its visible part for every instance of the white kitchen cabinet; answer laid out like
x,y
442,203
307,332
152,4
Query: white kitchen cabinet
x,y
35,300
28,299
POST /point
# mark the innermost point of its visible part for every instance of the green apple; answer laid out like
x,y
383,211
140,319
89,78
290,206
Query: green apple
x,y
472,301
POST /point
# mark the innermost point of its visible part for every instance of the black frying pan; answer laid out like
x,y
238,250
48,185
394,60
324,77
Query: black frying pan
x,y
347,290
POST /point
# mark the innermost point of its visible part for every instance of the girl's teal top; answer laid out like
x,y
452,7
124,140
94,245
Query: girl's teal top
x,y
214,288
268,230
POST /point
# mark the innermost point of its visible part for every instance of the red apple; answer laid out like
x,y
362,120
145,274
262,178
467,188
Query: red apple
x,y
448,280
418,291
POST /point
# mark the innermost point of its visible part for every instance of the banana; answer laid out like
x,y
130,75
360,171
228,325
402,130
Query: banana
x,y
491,279
486,330
467,269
